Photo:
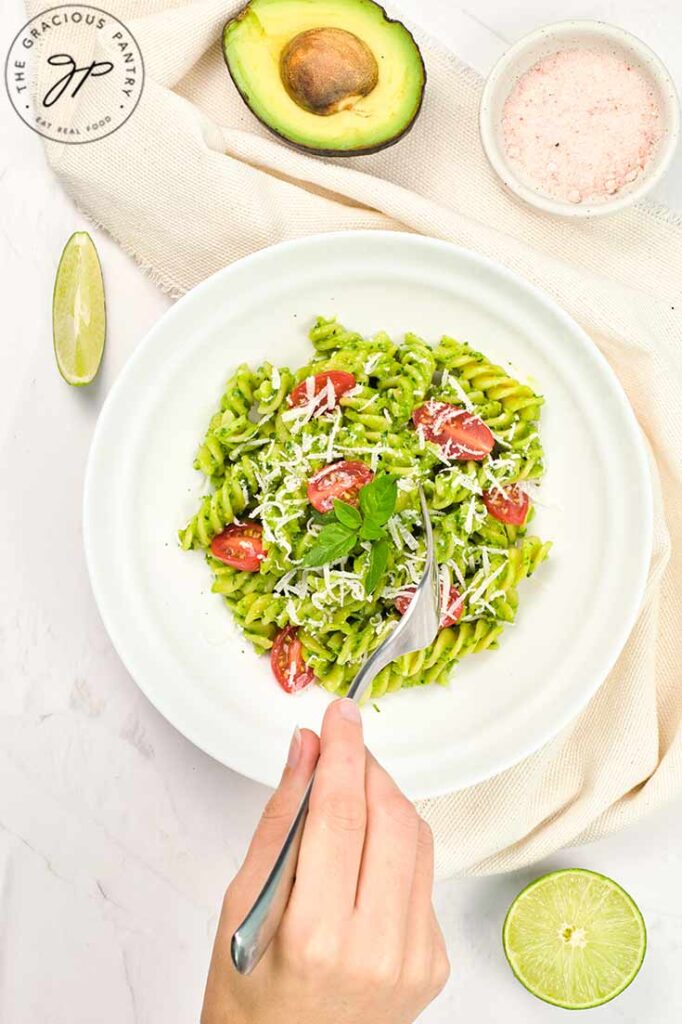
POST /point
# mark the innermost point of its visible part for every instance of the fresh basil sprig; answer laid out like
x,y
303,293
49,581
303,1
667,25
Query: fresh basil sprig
x,y
377,500
335,541
347,515
378,559
347,525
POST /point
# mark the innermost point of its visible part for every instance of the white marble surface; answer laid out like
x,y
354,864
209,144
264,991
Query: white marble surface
x,y
117,837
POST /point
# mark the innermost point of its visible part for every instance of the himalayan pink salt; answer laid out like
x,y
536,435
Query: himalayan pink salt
x,y
581,125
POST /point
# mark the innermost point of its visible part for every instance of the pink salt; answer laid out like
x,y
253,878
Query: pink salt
x,y
581,125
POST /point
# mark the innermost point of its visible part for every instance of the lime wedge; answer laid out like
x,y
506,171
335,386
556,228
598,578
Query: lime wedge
x,y
574,938
78,313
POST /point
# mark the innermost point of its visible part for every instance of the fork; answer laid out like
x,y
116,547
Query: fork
x,y
417,629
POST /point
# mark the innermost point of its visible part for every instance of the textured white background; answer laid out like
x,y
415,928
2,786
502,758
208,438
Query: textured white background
x,y
117,837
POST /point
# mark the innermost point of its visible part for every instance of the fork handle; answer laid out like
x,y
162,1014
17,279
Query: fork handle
x,y
258,928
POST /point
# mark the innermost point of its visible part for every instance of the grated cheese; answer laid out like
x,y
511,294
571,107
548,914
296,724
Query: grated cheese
x,y
461,394
469,521
409,541
475,595
395,533
292,613
332,435
457,571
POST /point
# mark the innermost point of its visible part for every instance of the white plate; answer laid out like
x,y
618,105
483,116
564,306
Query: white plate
x,y
176,637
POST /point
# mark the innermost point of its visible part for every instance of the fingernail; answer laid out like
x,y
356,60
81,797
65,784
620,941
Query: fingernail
x,y
294,749
349,710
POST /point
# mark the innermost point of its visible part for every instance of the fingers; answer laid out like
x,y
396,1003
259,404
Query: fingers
x,y
396,886
388,868
440,962
420,912
331,850
422,928
426,955
275,821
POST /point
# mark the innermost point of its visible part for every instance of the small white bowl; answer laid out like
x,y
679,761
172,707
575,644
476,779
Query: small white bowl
x,y
522,56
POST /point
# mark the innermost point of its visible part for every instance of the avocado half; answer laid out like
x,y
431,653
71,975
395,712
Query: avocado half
x,y
332,77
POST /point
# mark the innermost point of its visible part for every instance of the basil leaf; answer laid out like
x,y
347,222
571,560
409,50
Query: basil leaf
x,y
370,531
378,560
322,517
347,515
334,542
378,499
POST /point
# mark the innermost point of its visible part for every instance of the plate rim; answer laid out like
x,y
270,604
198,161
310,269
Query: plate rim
x,y
572,709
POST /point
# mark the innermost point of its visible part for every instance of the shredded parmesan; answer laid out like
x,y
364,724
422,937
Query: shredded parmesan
x,y
461,394
395,533
458,572
332,435
471,511
476,594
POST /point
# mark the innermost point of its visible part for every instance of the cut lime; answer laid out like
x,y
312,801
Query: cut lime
x,y
574,938
78,313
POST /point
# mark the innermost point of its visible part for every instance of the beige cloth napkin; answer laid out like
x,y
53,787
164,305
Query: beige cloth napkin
x,y
192,182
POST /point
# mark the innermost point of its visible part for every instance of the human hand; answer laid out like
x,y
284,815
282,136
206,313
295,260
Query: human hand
x,y
359,942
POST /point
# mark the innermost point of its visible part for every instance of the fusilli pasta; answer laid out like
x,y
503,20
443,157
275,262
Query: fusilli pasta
x,y
261,450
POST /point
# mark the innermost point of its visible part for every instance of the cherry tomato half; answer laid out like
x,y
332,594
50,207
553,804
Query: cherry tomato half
x,y
240,546
341,480
340,381
450,614
509,505
460,434
288,663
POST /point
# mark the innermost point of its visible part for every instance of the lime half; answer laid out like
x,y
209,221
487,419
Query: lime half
x,y
574,938
78,313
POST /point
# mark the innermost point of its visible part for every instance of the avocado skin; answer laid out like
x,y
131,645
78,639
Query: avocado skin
x,y
316,150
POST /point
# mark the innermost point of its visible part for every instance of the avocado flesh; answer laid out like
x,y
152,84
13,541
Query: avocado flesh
x,y
255,40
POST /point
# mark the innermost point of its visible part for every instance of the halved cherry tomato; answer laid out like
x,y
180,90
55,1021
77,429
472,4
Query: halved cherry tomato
x,y
460,434
288,663
450,614
341,480
340,381
240,546
509,505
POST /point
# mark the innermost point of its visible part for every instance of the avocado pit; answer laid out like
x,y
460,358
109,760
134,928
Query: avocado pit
x,y
326,70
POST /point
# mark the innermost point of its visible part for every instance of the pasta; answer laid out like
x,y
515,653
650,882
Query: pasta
x,y
283,444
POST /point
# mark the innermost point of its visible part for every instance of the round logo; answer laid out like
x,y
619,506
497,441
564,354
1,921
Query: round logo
x,y
74,73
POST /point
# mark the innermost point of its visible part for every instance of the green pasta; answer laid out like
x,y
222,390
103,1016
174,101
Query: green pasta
x,y
262,448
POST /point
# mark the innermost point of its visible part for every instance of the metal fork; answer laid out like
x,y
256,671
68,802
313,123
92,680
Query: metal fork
x,y
417,629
